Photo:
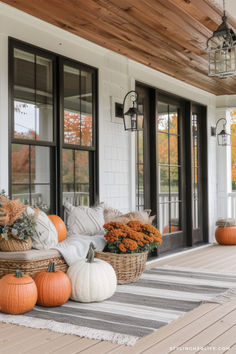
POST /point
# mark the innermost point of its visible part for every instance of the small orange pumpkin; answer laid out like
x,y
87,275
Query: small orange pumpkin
x,y
226,235
54,287
18,293
60,227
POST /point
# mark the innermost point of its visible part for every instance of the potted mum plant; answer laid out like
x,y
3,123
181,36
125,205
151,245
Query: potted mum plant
x,y
127,248
16,228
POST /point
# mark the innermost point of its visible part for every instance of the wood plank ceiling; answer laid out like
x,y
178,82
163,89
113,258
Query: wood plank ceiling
x,y
167,35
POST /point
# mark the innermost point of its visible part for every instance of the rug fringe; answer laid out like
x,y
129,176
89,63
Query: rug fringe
x,y
122,339
228,295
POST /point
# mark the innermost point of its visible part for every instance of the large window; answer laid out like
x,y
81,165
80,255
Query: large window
x,y
53,120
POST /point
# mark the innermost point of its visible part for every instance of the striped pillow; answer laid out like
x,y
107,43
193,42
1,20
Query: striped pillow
x,y
86,221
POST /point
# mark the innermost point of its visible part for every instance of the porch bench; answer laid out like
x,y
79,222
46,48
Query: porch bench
x,y
30,262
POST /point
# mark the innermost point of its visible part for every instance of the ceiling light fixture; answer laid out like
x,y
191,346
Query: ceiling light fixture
x,y
221,47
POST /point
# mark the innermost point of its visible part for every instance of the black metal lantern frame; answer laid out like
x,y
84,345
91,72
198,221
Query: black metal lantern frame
x,y
133,119
221,47
223,138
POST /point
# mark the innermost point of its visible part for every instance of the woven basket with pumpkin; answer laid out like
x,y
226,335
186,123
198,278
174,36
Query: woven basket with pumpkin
x,y
16,228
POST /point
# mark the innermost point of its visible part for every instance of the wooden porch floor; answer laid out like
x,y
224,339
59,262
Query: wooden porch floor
x,y
210,325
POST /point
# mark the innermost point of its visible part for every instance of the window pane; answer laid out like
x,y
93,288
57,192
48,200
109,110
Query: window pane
x,y
140,146
76,177
22,193
86,108
44,99
72,107
67,166
40,196
20,163
24,119
40,164
164,180
82,177
174,150
82,194
163,143
173,119
164,218
162,121
174,182
174,217
82,167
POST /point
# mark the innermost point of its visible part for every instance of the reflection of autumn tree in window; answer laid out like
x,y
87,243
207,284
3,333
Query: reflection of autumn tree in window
x,y
168,144
77,131
20,164
233,147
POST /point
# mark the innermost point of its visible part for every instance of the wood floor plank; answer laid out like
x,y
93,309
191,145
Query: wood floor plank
x,y
41,337
103,347
77,346
193,329
211,333
54,344
232,350
224,341
19,339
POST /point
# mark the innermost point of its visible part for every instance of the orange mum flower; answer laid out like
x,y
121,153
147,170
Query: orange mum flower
x,y
130,244
122,248
135,225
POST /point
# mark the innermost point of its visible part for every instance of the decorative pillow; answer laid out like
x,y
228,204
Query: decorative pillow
x,y
142,216
86,221
45,232
110,214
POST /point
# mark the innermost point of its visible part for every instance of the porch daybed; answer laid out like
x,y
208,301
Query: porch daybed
x,y
84,225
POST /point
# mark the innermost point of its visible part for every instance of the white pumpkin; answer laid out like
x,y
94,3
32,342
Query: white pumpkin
x,y
92,279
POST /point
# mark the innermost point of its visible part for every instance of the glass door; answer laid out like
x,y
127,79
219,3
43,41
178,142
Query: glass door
x,y
169,173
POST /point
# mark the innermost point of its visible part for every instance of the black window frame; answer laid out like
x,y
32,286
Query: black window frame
x,y
57,144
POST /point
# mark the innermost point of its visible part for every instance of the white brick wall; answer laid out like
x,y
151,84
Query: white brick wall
x,y
117,75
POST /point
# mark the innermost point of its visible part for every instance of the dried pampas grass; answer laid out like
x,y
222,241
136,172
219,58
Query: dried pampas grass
x,y
10,210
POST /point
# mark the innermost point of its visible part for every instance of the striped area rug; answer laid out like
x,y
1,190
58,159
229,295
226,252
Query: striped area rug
x,y
160,296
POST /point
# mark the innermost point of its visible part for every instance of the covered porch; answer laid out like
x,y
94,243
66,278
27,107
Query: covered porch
x,y
65,68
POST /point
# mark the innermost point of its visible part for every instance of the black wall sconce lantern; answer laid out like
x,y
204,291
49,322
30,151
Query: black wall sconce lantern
x,y
133,119
223,138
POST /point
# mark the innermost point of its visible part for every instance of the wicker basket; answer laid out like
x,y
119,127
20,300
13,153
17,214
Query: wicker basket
x,y
13,245
31,267
128,267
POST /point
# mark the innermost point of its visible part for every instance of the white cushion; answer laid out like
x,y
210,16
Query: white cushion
x,y
45,236
85,221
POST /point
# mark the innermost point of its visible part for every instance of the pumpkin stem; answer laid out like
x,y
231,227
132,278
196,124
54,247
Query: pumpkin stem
x,y
18,274
51,267
90,255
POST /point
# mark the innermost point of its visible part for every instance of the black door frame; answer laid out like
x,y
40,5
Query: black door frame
x,y
174,240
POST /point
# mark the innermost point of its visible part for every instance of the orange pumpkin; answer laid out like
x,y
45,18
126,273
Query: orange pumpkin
x,y
60,227
54,286
226,235
18,293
